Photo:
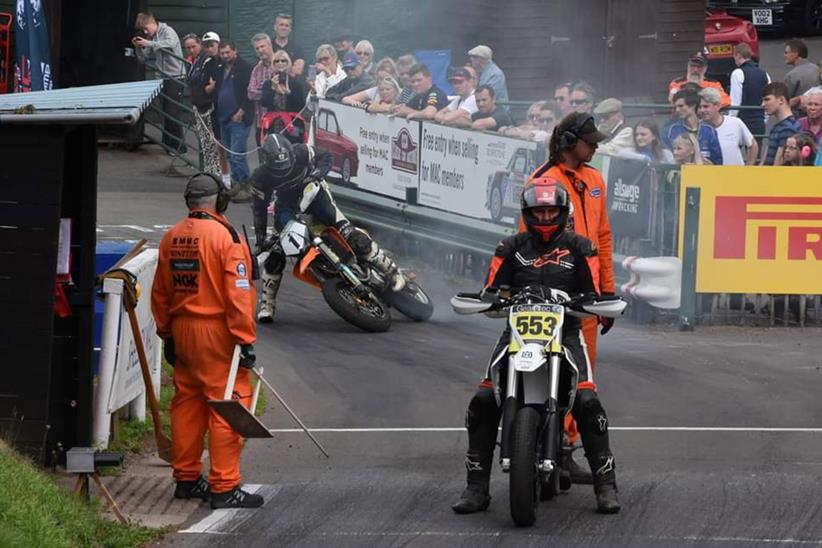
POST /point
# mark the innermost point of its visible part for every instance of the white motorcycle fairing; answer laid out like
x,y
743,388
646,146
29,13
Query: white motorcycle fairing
x,y
294,238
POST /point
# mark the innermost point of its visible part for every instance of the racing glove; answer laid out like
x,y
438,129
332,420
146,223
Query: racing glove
x,y
168,351
248,358
606,323
558,296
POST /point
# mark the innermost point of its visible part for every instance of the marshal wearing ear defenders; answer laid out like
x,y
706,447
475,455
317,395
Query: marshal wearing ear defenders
x,y
572,146
203,303
202,185
577,126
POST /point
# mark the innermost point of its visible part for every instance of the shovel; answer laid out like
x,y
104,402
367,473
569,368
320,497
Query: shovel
x,y
241,419
237,415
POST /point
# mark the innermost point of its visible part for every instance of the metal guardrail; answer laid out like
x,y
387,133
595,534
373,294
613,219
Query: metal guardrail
x,y
462,234
463,246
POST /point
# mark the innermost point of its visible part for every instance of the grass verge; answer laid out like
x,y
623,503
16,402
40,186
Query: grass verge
x,y
35,511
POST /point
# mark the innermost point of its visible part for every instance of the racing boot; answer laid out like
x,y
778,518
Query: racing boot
x,y
268,299
383,264
605,487
476,497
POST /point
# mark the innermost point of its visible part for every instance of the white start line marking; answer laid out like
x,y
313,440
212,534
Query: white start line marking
x,y
226,520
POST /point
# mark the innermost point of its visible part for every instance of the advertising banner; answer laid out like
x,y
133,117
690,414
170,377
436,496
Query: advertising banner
x,y
374,152
31,44
630,197
128,380
760,229
473,173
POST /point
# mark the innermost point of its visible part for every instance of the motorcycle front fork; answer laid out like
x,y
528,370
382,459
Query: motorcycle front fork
x,y
551,431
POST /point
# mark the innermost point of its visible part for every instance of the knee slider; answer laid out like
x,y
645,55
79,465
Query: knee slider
x,y
481,410
361,242
594,418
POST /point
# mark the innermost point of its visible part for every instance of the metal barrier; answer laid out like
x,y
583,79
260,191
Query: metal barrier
x,y
186,122
463,246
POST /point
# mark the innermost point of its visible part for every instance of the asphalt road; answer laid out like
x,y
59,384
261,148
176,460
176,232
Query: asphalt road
x,y
684,481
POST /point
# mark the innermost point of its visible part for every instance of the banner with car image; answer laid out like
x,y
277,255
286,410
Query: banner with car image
x,y
473,173
373,152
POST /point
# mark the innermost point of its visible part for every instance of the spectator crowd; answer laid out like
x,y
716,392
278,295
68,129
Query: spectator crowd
x,y
231,96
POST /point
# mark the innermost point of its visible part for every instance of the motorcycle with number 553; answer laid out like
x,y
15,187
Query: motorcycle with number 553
x,y
540,387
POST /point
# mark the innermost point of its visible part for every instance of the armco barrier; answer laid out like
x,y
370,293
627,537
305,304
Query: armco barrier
x,y
644,201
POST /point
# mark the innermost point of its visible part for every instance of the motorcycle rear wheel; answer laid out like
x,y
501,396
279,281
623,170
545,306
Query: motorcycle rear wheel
x,y
524,476
412,301
366,311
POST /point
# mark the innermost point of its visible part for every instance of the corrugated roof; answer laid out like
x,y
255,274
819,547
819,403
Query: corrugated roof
x,y
106,104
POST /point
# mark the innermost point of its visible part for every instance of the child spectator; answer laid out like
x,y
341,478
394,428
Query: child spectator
x,y
686,150
800,150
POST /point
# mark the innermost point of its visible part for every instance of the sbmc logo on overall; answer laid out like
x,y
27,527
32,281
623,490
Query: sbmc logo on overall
x,y
760,229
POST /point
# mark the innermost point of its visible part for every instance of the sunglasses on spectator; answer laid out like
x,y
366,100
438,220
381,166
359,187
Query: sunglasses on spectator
x,y
580,101
281,61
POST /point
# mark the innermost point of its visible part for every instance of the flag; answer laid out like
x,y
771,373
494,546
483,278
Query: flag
x,y
33,65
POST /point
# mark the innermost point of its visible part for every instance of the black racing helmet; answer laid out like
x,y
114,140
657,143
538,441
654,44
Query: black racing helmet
x,y
545,193
278,154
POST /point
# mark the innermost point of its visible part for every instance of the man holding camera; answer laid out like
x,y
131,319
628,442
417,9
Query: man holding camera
x,y
158,44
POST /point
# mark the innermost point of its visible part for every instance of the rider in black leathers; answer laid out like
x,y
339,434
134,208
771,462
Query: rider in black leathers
x,y
549,256
287,169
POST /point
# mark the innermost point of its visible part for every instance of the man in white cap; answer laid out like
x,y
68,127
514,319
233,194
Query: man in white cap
x,y
489,73
611,122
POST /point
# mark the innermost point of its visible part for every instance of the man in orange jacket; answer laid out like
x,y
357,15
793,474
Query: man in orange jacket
x,y
573,143
697,67
203,303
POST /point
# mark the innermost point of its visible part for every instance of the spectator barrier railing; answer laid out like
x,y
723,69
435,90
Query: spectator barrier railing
x,y
385,179
659,112
187,120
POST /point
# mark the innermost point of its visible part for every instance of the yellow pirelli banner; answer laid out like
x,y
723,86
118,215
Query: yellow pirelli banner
x,y
760,229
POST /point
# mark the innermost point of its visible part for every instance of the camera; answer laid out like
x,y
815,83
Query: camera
x,y
281,77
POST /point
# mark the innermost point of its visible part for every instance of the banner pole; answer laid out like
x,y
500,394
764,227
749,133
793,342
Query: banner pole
x,y
687,308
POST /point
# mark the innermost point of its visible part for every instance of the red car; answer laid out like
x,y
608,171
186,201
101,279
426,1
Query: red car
x,y
331,139
722,33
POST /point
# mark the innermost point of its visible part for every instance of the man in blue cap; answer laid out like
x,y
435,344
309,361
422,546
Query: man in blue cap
x,y
356,79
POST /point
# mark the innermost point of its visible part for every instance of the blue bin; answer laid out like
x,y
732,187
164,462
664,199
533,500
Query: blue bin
x,y
107,253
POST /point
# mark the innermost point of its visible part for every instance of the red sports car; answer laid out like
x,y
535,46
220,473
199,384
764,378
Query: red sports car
x,y
722,33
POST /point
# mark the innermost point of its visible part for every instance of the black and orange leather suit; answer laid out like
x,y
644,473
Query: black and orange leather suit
x,y
562,262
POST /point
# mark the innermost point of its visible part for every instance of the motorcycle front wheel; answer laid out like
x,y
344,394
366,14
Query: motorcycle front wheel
x,y
524,475
412,301
366,310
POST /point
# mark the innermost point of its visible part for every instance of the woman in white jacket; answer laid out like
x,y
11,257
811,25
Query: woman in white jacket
x,y
329,71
